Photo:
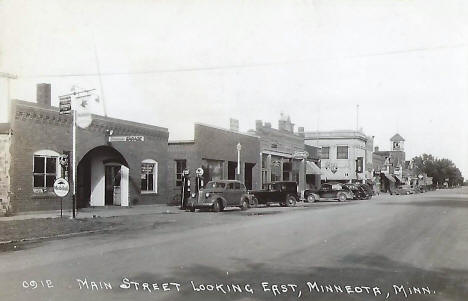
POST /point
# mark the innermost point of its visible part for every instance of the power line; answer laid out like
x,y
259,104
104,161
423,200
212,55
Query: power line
x,y
241,66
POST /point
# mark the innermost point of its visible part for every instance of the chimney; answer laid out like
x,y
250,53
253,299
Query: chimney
x,y
258,124
234,124
282,125
376,149
43,94
300,131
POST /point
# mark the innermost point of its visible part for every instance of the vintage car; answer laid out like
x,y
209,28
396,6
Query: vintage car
x,y
284,193
217,195
404,189
368,190
330,191
359,193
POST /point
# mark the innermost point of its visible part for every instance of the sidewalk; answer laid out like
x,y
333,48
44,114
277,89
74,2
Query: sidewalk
x,y
108,211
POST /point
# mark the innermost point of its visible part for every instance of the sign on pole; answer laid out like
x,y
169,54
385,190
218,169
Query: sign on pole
x,y
199,171
61,189
65,104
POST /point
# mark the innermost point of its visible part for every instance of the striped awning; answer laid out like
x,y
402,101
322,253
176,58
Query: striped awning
x,y
312,169
390,177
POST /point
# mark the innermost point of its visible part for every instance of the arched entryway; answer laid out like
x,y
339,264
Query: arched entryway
x,y
102,178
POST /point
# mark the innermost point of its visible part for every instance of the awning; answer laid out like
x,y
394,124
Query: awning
x,y
390,177
399,178
312,169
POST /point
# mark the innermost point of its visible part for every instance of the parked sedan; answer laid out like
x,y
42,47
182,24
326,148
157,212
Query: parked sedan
x,y
404,189
218,195
331,191
368,190
358,192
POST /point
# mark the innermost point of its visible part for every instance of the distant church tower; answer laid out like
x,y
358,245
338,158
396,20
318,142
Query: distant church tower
x,y
397,151
398,143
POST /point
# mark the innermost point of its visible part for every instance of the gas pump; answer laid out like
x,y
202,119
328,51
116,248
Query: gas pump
x,y
199,180
185,192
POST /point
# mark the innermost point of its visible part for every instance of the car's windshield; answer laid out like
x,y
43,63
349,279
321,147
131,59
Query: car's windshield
x,y
352,187
215,185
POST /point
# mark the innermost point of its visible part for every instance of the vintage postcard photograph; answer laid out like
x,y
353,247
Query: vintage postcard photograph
x,y
234,150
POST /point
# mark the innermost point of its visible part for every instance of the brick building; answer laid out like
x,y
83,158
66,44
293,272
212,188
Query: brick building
x,y
215,150
108,173
392,170
284,155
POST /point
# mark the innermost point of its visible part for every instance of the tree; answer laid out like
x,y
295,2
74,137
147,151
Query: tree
x,y
438,169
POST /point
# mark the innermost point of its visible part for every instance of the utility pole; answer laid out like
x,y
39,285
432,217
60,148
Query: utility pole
x,y
239,147
74,96
357,117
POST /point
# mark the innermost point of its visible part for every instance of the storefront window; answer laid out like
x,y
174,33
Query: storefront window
x,y
149,172
180,166
213,170
45,171
275,168
287,171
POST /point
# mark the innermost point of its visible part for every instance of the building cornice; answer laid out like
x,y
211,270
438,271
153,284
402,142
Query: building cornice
x,y
27,111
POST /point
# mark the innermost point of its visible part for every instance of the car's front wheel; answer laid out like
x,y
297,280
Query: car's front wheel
x,y
311,198
290,201
341,197
216,207
254,203
245,204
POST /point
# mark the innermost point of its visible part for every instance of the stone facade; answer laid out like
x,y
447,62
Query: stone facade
x,y
340,150
5,159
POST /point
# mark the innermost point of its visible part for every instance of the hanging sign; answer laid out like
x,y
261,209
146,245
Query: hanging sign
x,y
65,104
300,155
83,117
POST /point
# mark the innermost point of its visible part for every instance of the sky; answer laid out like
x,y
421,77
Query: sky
x,y
172,63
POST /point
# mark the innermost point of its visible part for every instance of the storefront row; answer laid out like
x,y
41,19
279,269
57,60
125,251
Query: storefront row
x,y
123,163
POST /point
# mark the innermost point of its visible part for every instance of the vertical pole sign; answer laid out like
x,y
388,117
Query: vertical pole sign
x,y
61,189
81,117
239,148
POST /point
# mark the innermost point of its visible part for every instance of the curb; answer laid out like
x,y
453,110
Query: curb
x,y
5,242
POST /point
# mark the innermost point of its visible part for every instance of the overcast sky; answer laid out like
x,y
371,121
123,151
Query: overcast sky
x,y
172,63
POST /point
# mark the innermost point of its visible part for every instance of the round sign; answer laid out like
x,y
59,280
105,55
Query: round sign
x,y
83,117
61,187
199,171
63,159
239,146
